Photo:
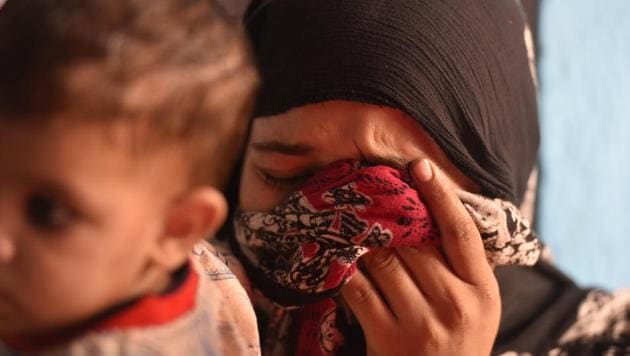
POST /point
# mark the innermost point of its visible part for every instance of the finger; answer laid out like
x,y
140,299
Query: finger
x,y
431,273
395,283
461,240
453,301
366,304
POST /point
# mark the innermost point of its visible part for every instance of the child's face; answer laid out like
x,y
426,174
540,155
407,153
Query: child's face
x,y
80,216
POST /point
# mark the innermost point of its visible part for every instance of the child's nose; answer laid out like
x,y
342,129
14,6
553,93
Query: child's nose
x,y
7,248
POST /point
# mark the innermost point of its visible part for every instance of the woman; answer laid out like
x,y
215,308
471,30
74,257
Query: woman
x,y
446,88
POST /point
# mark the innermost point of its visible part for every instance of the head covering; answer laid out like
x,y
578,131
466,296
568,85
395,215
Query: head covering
x,y
458,67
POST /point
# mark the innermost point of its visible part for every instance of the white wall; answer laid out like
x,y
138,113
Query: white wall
x,y
585,116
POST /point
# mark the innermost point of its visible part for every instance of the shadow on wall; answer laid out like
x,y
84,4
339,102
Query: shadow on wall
x,y
585,116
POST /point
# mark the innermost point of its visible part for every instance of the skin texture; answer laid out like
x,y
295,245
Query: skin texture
x,y
88,215
408,301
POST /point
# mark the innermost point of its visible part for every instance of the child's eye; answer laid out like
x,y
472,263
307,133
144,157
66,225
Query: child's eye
x,y
282,182
47,213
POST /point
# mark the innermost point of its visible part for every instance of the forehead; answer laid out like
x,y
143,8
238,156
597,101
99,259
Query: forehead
x,y
76,152
66,138
339,125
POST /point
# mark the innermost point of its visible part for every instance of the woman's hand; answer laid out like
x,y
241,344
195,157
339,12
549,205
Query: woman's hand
x,y
429,301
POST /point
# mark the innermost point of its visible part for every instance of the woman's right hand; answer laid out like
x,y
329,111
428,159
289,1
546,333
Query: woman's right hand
x,y
429,301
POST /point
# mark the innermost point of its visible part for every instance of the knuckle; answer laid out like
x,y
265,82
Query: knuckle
x,y
435,337
383,261
489,297
463,311
472,308
462,230
461,315
467,237
489,292
436,189
362,295
433,333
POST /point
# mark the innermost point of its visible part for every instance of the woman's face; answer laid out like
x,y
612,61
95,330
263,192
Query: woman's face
x,y
285,150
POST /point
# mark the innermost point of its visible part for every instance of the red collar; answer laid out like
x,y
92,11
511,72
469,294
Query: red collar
x,y
151,310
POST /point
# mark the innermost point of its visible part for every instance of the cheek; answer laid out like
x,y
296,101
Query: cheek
x,y
93,269
44,279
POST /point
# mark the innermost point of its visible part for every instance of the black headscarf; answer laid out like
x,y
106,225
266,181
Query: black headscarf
x,y
458,67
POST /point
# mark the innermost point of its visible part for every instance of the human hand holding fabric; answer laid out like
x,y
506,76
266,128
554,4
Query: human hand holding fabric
x,y
429,300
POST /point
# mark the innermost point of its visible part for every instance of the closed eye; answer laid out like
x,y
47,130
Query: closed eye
x,y
283,183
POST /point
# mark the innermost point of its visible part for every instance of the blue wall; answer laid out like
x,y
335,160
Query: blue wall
x,y
584,70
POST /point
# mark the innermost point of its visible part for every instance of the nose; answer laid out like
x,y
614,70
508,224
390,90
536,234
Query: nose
x,y
7,248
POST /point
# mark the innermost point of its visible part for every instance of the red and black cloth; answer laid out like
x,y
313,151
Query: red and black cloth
x,y
302,252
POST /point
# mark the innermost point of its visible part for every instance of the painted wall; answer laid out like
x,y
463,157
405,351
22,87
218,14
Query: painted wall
x,y
584,202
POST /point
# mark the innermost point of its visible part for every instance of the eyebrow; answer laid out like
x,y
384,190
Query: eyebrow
x,y
303,149
284,148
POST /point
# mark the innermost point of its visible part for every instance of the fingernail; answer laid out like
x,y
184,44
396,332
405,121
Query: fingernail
x,y
424,172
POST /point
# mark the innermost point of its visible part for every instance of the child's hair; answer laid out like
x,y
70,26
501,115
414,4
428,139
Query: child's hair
x,y
179,67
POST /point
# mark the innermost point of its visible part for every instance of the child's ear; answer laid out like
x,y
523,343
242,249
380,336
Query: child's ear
x,y
191,219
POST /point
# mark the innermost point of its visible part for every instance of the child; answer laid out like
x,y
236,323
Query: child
x,y
120,121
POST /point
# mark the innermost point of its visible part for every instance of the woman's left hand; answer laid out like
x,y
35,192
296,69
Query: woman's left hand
x,y
429,300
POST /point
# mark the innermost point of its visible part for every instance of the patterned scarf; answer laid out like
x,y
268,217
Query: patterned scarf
x,y
303,251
